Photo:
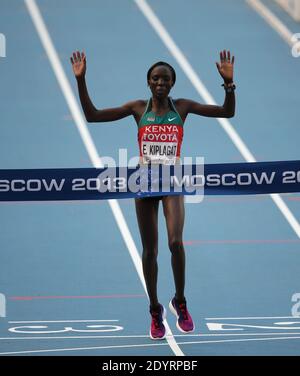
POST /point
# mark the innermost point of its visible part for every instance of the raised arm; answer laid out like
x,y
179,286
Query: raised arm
x,y
225,68
92,114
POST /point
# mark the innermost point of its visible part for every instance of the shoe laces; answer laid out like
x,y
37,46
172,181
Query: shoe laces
x,y
183,310
156,319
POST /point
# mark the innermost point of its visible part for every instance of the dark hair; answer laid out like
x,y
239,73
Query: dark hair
x,y
159,63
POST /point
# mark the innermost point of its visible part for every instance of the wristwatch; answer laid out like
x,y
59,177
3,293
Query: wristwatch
x,y
229,88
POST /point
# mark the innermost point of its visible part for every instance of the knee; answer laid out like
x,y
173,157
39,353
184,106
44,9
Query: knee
x,y
150,253
176,245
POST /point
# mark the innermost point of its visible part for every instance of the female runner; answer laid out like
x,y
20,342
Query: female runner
x,y
160,123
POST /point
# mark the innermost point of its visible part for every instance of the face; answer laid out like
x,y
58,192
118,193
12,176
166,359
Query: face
x,y
161,81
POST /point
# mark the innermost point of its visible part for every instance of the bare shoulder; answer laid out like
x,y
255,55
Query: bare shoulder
x,y
140,103
187,105
182,101
135,104
138,106
182,106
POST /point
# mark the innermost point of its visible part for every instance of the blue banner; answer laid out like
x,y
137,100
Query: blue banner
x,y
118,183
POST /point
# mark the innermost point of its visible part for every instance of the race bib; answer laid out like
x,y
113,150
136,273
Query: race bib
x,y
159,152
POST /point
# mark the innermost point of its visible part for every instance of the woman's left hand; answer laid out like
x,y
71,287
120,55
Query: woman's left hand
x,y
225,67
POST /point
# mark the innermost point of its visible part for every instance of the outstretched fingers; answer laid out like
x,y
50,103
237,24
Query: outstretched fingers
x,y
77,57
222,56
229,58
225,56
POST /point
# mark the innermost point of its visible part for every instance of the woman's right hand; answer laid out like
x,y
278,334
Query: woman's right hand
x,y
78,64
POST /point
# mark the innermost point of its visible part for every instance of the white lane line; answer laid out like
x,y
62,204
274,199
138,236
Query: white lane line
x,y
147,336
83,348
207,97
252,318
238,340
287,36
55,321
272,20
89,144
145,345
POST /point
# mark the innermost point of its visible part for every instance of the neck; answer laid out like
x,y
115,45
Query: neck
x,y
160,104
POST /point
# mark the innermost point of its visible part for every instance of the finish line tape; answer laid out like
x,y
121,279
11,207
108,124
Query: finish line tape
x,y
149,181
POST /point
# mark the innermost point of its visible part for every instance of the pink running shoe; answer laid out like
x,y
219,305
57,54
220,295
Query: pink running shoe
x,y
184,320
157,328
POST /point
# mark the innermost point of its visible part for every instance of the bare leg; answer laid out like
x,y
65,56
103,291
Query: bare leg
x,y
174,214
147,214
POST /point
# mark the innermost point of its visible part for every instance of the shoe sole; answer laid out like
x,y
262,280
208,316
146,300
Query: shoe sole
x,y
173,310
159,338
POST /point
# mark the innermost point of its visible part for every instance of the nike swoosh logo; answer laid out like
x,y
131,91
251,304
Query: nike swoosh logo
x,y
172,118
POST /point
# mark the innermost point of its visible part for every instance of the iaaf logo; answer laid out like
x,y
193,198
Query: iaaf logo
x,y
2,45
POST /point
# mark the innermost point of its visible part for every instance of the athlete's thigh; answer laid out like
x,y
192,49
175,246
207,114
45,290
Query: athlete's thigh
x,y
147,216
174,213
